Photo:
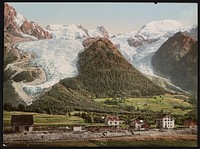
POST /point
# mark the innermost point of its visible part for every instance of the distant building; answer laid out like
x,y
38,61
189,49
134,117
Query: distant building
x,y
20,123
192,124
112,121
139,124
165,121
77,128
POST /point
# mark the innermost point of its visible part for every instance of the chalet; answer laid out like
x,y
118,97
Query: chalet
x,y
139,124
20,123
192,124
165,121
112,121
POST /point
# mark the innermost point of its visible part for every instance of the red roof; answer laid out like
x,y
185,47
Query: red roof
x,y
112,118
189,122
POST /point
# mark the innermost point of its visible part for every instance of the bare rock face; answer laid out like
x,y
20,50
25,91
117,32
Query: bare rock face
x,y
103,31
33,29
9,24
176,59
139,40
16,24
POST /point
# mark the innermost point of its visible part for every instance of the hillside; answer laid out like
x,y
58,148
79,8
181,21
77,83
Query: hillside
x,y
103,72
178,55
106,73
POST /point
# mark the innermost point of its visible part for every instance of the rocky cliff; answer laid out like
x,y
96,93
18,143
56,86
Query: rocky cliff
x,y
176,59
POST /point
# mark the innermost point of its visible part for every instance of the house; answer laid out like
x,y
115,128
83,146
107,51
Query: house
x,y
165,121
139,124
192,124
112,121
77,128
20,123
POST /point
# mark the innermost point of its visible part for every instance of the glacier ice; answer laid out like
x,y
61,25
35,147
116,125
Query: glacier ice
x,y
58,56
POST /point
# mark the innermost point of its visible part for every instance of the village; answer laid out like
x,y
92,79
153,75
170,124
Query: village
x,y
23,130
25,123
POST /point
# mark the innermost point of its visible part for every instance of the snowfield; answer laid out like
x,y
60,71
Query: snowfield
x,y
58,56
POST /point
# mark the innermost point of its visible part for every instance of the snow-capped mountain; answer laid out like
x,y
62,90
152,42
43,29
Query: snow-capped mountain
x,y
58,56
139,47
73,31
99,32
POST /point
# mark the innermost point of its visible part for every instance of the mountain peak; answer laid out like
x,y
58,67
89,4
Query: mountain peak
x,y
105,72
159,28
100,31
71,31
18,25
155,30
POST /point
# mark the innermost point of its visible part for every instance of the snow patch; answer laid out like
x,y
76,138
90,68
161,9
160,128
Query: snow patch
x,y
74,31
19,19
29,36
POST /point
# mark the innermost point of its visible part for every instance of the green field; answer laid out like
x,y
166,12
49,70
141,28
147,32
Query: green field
x,y
167,103
45,119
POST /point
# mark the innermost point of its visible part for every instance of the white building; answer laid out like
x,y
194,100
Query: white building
x,y
138,124
77,128
165,121
112,121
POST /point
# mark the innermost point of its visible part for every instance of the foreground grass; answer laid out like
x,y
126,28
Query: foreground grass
x,y
111,143
146,143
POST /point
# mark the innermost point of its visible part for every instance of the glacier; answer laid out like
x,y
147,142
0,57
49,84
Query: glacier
x,y
58,56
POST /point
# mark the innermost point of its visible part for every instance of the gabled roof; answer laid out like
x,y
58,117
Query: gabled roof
x,y
112,117
21,120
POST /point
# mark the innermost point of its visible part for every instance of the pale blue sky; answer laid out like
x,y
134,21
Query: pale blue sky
x,y
116,17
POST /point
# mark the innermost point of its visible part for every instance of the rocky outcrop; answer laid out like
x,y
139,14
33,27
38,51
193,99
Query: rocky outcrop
x,y
17,25
31,28
139,40
176,59
103,31
9,20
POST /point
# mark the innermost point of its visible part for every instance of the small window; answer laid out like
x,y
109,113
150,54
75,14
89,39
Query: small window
x,y
115,122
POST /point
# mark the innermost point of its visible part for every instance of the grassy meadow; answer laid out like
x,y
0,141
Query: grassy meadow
x,y
45,119
167,103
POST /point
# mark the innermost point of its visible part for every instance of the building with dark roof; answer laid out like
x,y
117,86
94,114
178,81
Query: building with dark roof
x,y
20,123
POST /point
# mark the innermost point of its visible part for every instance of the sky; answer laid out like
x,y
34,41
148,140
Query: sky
x,y
115,17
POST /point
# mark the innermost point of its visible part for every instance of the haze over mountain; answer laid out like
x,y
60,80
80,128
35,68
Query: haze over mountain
x,y
38,65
